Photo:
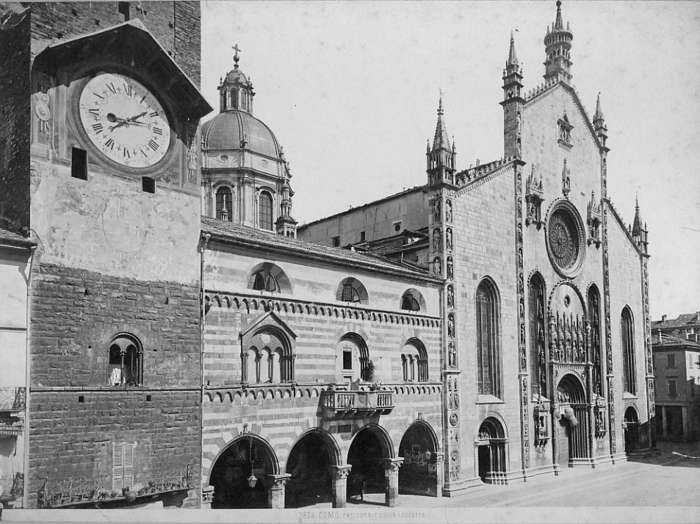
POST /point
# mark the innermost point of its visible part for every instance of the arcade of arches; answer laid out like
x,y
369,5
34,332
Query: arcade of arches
x,y
247,473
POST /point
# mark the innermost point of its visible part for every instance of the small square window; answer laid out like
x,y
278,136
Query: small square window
x,y
78,168
363,236
336,241
148,185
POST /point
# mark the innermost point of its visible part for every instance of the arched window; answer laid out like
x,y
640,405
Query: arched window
x,y
352,290
353,359
414,361
125,361
265,211
269,277
412,300
224,204
487,340
630,376
538,348
264,281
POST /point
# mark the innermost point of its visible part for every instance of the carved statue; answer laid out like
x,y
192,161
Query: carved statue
x,y
448,211
436,239
450,296
448,239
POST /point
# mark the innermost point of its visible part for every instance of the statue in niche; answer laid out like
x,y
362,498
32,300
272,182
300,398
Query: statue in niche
x,y
450,273
448,211
448,239
437,266
451,326
450,296
451,355
436,239
436,210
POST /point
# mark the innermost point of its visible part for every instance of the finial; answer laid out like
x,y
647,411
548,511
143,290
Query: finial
x,y
440,111
559,24
235,57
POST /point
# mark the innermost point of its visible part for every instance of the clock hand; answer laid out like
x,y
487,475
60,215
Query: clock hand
x,y
133,119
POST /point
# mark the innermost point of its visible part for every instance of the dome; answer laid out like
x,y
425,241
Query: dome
x,y
236,75
226,130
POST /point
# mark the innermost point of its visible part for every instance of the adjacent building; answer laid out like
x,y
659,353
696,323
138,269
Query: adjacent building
x,y
677,372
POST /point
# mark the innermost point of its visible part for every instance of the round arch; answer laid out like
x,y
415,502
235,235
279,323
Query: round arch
x,y
491,451
567,283
239,472
571,390
276,272
351,289
412,300
419,471
329,442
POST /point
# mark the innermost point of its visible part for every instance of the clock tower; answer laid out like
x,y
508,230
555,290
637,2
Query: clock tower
x,y
101,167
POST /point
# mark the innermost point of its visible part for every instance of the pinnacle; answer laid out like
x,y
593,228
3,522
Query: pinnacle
x,y
512,56
441,139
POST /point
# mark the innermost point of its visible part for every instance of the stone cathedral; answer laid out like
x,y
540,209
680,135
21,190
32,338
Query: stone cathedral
x,y
188,344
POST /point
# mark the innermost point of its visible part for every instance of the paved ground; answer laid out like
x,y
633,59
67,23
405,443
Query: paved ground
x,y
664,487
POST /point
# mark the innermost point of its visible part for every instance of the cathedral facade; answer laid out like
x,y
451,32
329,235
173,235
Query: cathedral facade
x,y
546,320
189,345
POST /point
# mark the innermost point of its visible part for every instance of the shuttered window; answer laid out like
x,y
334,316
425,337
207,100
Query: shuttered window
x,y
123,465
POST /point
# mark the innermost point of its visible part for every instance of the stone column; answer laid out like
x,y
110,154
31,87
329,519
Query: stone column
x,y
440,472
207,496
275,490
684,420
391,472
340,484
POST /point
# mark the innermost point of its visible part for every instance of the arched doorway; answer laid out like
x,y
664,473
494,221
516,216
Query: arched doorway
x,y
369,448
418,473
572,437
491,450
308,464
238,475
631,430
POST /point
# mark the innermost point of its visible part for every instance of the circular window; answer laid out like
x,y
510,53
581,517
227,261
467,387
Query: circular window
x,y
565,239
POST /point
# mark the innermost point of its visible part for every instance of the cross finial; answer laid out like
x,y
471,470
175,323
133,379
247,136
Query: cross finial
x,y
235,57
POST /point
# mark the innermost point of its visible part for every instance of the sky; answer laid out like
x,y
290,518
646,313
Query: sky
x,y
351,89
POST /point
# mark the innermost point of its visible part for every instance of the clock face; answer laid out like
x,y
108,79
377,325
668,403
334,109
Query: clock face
x,y
124,120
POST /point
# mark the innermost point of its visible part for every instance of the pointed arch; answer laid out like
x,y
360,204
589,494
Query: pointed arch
x,y
629,362
488,338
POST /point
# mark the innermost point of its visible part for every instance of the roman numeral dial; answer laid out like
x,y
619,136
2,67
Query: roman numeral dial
x,y
124,121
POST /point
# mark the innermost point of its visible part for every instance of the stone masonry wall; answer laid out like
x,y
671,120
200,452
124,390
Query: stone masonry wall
x,y
72,434
176,26
484,247
15,117
75,314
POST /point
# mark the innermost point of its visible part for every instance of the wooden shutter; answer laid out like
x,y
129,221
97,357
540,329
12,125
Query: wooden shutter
x,y
128,465
117,466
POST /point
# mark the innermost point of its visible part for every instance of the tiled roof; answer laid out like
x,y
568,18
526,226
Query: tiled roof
x,y
662,339
684,320
9,238
251,237
374,202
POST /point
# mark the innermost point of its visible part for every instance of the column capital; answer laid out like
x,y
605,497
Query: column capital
x,y
277,481
340,472
392,464
439,457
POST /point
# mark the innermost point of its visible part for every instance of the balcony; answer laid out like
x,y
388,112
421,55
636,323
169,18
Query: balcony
x,y
343,403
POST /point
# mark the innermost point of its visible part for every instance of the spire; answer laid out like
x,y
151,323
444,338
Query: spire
x,y
441,140
598,112
559,23
637,225
512,57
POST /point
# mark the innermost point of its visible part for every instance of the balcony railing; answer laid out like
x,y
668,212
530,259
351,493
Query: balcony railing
x,y
343,403
13,398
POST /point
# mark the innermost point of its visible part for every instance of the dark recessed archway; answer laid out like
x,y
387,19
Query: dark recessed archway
x,y
309,466
239,474
368,449
418,473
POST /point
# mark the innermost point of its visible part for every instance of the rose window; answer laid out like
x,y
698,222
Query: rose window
x,y
563,239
